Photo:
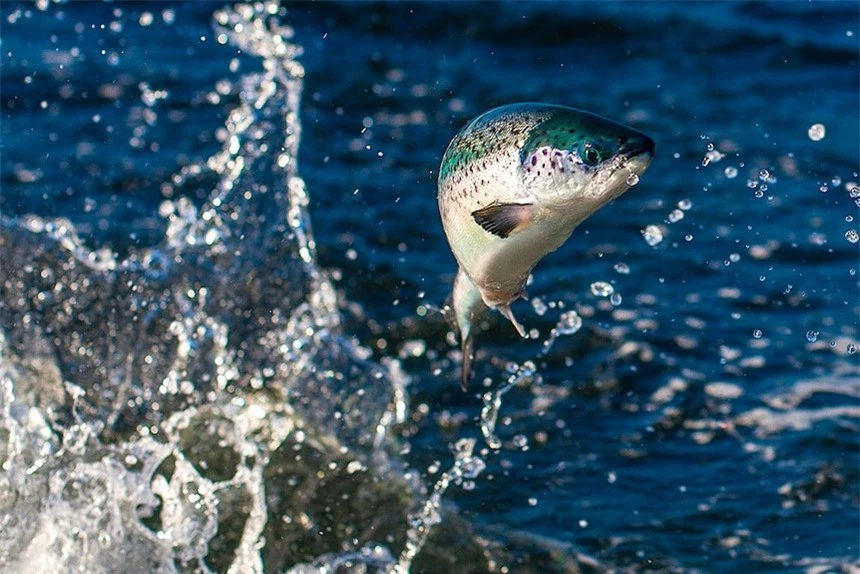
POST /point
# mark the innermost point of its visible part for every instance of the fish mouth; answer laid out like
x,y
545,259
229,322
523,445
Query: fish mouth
x,y
640,146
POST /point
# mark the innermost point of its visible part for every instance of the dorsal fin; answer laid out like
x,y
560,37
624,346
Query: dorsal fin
x,y
502,219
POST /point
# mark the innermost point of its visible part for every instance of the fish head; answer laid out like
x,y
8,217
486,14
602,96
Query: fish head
x,y
574,162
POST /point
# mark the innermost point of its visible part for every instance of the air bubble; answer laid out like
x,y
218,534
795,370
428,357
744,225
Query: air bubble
x,y
632,179
852,236
731,172
812,336
676,215
757,334
622,268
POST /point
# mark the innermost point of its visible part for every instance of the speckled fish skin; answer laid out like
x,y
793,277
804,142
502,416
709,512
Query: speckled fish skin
x,y
513,185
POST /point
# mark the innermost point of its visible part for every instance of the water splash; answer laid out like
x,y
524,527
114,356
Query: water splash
x,y
466,466
199,366
493,401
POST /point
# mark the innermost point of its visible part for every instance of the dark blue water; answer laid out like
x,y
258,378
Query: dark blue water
x,y
707,421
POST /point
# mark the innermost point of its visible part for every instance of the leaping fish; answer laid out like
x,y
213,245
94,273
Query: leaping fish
x,y
513,185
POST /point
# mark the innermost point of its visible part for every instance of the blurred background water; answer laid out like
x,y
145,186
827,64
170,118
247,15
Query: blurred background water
x,y
194,379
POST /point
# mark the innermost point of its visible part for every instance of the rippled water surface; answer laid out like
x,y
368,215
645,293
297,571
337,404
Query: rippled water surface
x,y
221,269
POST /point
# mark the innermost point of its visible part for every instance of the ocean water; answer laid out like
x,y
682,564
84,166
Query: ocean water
x,y
221,269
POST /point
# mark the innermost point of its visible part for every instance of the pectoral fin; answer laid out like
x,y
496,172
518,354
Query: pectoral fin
x,y
504,218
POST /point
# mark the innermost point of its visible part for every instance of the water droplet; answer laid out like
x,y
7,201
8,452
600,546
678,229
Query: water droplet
x,y
713,156
852,236
632,179
812,336
652,234
816,132
676,215
601,289
757,334
622,268
731,172
568,323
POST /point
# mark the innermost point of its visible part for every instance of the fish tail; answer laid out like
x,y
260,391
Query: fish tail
x,y
468,354
467,306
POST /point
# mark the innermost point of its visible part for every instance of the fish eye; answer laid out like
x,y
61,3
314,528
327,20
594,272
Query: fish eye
x,y
591,155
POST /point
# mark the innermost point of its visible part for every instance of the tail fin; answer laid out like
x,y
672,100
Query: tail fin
x,y
467,306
